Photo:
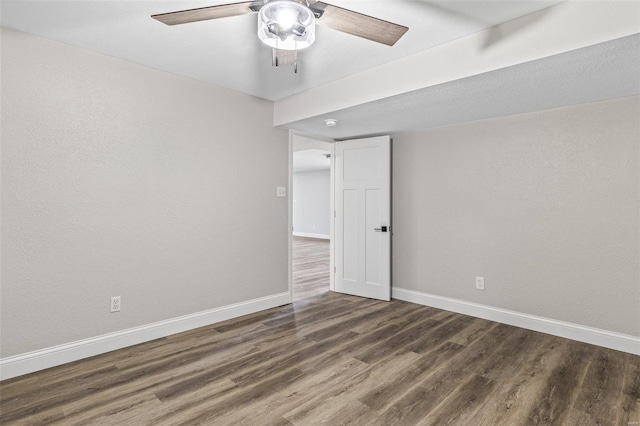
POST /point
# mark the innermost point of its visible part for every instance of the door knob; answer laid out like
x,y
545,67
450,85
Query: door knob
x,y
381,229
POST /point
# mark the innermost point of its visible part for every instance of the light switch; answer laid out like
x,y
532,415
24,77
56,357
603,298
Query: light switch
x,y
281,191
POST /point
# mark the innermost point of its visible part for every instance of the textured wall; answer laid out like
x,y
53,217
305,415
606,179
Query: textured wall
x,y
122,180
545,206
311,207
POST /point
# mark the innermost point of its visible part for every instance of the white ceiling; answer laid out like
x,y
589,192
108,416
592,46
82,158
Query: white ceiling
x,y
311,160
602,71
227,52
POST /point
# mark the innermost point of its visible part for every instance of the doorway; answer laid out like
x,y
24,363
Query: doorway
x,y
359,218
311,207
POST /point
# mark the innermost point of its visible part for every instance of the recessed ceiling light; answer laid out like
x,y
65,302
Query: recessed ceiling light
x,y
330,122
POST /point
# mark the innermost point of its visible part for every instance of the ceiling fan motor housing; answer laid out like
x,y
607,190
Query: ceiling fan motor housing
x,y
286,24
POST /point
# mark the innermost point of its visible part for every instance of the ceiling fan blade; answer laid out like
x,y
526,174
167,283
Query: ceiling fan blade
x,y
360,25
206,13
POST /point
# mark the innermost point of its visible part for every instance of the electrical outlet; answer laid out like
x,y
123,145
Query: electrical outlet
x,y
480,283
115,304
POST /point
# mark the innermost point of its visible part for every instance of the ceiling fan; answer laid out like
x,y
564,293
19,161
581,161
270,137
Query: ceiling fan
x,y
289,25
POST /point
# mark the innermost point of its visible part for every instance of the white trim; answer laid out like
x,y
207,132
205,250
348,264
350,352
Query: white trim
x,y
581,333
50,357
310,235
290,215
332,220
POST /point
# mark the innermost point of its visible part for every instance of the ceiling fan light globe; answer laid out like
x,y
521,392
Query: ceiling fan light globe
x,y
286,17
286,25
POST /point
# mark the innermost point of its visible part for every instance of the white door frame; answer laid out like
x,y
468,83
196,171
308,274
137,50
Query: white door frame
x,y
292,135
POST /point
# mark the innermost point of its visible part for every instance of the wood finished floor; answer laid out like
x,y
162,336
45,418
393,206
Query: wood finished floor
x,y
335,359
310,267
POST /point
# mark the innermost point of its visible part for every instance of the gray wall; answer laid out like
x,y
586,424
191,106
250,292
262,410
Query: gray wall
x,y
311,208
122,180
545,206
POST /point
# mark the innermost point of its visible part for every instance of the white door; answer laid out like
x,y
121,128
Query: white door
x,y
363,217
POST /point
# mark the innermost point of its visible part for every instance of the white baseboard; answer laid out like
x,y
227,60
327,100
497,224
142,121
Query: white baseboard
x,y
50,357
309,235
594,336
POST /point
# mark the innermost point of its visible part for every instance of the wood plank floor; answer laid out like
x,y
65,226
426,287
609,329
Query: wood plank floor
x,y
335,359
310,267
